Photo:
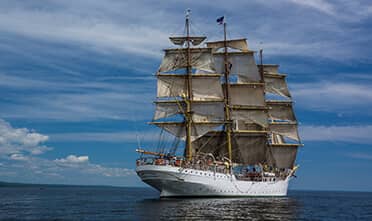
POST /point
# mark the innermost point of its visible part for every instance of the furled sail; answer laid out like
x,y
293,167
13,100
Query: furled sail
x,y
247,94
275,83
202,111
241,63
239,44
178,129
200,58
203,87
281,110
286,129
282,155
181,40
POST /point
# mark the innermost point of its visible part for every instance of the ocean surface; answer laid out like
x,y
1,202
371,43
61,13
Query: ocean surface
x,y
114,203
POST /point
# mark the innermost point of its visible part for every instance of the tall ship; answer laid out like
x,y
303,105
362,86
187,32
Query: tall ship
x,y
234,128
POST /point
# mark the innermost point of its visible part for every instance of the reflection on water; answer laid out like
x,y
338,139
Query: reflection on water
x,y
109,203
280,208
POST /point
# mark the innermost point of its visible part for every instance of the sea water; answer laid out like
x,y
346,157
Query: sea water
x,y
114,203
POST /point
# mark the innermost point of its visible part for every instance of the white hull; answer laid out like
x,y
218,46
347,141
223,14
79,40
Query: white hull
x,y
180,182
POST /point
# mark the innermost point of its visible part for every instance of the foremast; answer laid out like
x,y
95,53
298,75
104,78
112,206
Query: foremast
x,y
189,97
196,94
228,122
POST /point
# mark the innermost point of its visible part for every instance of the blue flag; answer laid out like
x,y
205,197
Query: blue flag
x,y
220,20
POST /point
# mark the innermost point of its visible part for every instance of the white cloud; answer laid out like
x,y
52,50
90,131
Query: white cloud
x,y
72,159
349,11
20,141
352,134
82,164
79,100
17,156
18,150
104,26
333,96
86,26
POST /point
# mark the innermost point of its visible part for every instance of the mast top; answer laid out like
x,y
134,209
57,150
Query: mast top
x,y
188,12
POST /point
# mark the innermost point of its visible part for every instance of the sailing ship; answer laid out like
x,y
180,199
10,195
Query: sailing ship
x,y
234,117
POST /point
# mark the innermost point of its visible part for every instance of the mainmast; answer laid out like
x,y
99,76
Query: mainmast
x,y
261,66
188,98
227,93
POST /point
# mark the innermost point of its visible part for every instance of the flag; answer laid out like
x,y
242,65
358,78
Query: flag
x,y
220,20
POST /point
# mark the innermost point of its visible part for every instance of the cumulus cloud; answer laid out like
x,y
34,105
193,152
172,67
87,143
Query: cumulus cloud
x,y
72,159
20,150
83,165
17,141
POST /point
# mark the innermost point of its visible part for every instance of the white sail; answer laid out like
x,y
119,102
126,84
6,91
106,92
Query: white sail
x,y
241,64
171,86
281,110
178,129
167,109
200,58
285,129
203,88
239,44
207,111
247,94
201,111
250,116
276,84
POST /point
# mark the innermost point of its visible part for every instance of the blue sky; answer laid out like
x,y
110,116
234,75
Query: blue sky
x,y
76,79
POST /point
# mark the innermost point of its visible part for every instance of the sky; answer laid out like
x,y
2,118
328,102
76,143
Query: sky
x,y
77,83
